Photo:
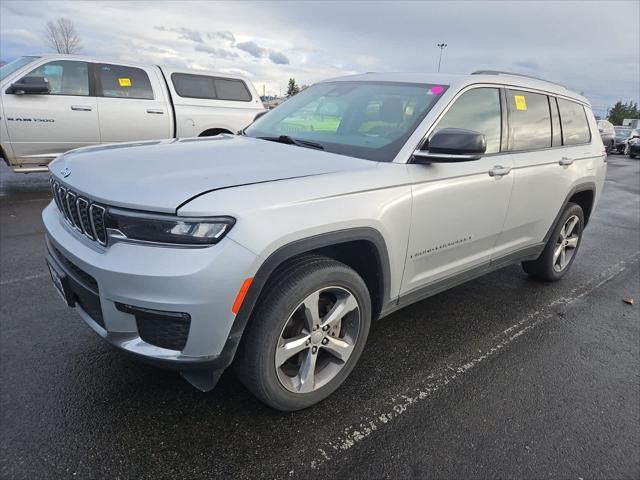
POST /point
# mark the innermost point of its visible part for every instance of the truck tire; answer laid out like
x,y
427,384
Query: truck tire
x,y
561,248
306,334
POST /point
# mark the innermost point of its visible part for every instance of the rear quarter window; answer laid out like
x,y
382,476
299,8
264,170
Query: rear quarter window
x,y
575,127
210,88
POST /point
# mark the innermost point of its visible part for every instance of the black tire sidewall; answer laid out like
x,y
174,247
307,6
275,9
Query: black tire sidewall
x,y
275,310
547,255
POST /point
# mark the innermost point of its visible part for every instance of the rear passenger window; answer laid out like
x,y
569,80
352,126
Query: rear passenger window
x,y
575,128
210,88
477,110
124,82
529,120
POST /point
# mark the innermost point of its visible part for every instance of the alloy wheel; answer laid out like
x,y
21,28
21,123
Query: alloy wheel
x,y
317,339
567,243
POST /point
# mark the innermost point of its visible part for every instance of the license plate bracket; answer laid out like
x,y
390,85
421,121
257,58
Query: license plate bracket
x,y
61,284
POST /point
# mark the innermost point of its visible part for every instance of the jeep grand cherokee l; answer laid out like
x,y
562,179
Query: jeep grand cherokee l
x,y
275,249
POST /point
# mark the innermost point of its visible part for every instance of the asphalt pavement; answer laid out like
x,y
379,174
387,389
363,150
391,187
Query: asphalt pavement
x,y
501,377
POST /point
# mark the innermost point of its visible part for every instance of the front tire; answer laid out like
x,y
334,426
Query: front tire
x,y
561,248
306,334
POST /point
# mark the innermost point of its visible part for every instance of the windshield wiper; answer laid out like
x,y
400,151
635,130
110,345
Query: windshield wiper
x,y
293,141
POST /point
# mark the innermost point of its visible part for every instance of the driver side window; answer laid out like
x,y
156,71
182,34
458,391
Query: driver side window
x,y
477,110
65,77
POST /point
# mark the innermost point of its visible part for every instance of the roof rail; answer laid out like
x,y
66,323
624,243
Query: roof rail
x,y
498,72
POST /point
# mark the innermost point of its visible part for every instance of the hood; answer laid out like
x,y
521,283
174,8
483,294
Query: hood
x,y
162,175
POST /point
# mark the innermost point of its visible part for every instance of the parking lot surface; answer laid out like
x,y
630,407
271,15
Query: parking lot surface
x,y
500,377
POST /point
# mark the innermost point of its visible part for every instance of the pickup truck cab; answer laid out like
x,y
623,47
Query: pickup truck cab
x,y
55,103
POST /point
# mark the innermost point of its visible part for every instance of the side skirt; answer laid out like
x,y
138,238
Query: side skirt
x,y
529,253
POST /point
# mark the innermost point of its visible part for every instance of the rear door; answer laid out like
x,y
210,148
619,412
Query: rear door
x,y
132,104
40,127
550,143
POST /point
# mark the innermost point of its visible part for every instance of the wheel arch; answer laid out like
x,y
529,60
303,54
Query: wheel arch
x,y
584,195
361,242
212,132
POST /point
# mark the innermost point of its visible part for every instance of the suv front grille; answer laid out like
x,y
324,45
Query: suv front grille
x,y
81,213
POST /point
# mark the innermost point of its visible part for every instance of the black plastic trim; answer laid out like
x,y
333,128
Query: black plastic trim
x,y
583,187
528,253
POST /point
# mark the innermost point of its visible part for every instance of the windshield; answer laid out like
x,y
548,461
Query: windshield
x,y
11,67
622,133
370,120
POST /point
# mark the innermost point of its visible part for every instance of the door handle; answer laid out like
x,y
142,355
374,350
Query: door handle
x,y
499,171
565,161
81,108
155,110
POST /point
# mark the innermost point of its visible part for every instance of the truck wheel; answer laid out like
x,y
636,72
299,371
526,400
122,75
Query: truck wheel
x,y
561,248
306,334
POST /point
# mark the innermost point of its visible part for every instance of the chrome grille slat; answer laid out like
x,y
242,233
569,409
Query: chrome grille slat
x,y
96,214
73,210
81,213
82,205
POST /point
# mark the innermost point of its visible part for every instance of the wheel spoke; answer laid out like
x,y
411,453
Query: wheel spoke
x,y
290,347
563,259
569,226
343,306
556,253
562,232
339,348
307,373
312,311
572,242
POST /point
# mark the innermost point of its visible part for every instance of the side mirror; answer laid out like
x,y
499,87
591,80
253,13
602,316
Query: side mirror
x,y
30,86
452,145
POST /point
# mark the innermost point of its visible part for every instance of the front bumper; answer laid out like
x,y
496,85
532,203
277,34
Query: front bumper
x,y
200,282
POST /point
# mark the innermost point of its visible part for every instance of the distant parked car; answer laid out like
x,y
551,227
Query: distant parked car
x,y
607,134
622,134
55,103
633,144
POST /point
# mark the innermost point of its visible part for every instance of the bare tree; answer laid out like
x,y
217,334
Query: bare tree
x,y
61,36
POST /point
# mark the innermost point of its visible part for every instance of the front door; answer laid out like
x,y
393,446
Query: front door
x,y
459,208
40,127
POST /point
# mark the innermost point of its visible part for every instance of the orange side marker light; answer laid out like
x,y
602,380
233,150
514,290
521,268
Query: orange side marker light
x,y
244,288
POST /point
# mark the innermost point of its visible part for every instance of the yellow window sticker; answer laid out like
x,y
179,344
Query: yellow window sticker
x,y
126,82
521,102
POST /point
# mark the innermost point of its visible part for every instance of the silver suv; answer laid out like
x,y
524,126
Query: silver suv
x,y
275,249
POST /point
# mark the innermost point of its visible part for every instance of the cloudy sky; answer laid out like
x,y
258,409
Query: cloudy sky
x,y
591,46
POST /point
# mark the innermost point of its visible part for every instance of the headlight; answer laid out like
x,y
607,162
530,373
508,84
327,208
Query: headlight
x,y
168,229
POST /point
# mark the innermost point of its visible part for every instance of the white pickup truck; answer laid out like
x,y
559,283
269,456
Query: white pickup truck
x,y
54,103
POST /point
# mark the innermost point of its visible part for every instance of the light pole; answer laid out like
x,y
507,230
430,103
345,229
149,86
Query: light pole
x,y
441,46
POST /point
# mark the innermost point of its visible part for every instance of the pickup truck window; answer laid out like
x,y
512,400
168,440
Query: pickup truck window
x,y
18,63
123,82
478,110
364,119
210,88
575,129
65,77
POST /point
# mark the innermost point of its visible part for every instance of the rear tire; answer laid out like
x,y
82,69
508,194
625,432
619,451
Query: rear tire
x,y
320,310
561,248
